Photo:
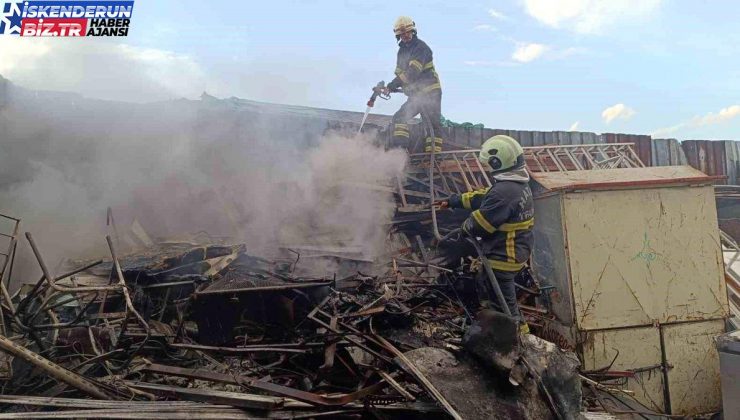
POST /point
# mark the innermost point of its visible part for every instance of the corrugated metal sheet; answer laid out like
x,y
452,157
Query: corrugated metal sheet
x,y
732,161
706,155
712,157
474,137
667,152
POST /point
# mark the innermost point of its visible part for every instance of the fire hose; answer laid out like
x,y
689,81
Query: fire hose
x,y
493,283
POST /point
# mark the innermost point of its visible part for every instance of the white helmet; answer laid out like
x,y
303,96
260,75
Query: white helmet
x,y
403,24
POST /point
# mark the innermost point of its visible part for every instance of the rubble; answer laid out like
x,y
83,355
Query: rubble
x,y
180,327
200,327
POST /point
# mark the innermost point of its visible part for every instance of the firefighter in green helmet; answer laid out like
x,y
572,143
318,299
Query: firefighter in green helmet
x,y
502,216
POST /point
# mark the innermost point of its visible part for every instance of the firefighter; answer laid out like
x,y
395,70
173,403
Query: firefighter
x,y
502,215
415,74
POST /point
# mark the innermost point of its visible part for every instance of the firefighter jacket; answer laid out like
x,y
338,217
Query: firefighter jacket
x,y
503,217
415,69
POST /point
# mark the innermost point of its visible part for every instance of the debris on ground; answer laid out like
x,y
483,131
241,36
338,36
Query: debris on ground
x,y
200,327
183,327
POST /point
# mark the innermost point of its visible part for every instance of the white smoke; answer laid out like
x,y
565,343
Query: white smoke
x,y
182,167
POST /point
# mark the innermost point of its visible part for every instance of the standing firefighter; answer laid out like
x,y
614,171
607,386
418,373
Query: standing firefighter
x,y
502,215
415,74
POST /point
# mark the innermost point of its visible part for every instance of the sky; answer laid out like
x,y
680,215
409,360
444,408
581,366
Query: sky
x,y
666,68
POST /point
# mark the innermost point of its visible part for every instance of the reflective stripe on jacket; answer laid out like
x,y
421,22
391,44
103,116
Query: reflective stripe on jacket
x,y
503,217
415,69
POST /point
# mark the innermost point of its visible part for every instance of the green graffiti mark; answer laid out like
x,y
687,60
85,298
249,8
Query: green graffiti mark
x,y
647,253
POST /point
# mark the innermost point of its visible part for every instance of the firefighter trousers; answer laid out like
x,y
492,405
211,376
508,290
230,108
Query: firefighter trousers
x,y
508,289
429,105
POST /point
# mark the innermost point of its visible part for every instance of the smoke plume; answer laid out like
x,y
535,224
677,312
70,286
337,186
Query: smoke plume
x,y
225,167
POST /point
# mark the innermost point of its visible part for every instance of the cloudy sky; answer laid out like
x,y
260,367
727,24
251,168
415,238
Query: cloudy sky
x,y
660,67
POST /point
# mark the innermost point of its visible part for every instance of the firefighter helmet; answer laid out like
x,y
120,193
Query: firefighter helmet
x,y
501,153
403,24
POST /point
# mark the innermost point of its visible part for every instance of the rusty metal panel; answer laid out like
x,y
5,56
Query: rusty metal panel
x,y
630,349
703,156
708,156
643,256
643,146
549,259
715,159
692,155
608,138
720,158
693,380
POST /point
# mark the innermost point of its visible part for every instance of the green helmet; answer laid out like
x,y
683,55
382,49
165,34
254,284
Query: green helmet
x,y
501,153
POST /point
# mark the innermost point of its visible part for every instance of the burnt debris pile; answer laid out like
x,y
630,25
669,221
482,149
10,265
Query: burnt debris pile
x,y
201,327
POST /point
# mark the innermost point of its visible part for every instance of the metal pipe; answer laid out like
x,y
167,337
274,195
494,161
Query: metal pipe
x,y
433,146
50,278
487,266
38,284
491,277
127,298
61,325
53,369
9,217
12,263
66,324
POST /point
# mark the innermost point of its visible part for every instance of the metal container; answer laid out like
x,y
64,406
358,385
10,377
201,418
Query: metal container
x,y
635,258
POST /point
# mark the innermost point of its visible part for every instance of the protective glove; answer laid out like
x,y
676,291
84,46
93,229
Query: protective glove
x,y
442,204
